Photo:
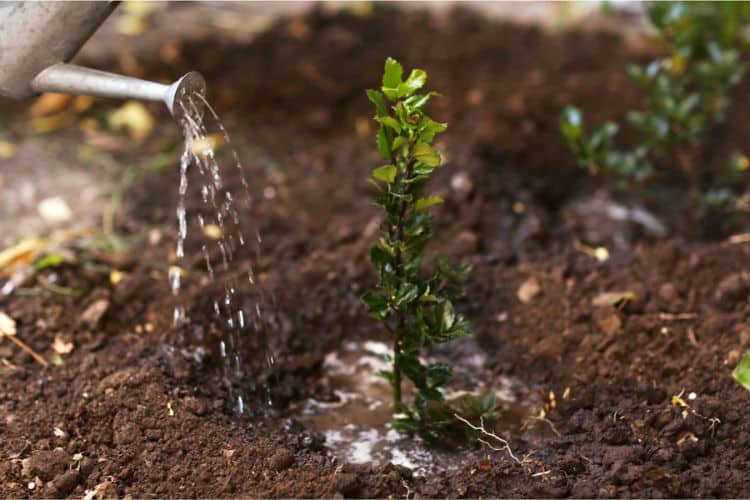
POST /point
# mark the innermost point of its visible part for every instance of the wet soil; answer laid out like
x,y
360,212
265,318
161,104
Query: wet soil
x,y
128,413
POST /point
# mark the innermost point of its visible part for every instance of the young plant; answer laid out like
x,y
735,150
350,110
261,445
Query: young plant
x,y
415,307
687,93
742,372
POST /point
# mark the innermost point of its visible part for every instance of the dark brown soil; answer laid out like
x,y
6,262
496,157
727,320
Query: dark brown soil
x,y
149,423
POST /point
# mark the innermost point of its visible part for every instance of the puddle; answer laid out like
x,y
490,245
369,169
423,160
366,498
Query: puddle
x,y
356,420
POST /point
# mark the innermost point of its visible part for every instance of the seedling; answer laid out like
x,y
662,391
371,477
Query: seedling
x,y
742,372
415,307
687,93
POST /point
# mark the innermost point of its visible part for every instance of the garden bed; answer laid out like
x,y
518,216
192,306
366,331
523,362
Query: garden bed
x,y
645,404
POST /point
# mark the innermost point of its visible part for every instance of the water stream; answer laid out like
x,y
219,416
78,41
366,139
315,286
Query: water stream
x,y
228,245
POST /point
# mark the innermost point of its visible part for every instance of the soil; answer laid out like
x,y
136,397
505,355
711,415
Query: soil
x,y
126,413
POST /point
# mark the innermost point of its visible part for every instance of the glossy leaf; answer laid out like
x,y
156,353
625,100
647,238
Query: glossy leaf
x,y
386,173
426,154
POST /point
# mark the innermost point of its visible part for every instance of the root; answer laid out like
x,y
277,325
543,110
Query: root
x,y
489,436
28,350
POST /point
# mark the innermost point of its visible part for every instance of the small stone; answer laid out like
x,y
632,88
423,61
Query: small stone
x,y
668,292
54,209
528,290
94,312
733,357
106,489
745,337
609,322
195,405
462,185
282,459
732,288
467,241
551,348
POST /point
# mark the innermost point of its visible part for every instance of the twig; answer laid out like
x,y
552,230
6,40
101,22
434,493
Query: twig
x,y
737,239
20,343
505,445
676,317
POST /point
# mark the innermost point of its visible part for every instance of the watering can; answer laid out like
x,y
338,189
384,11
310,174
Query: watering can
x,y
37,39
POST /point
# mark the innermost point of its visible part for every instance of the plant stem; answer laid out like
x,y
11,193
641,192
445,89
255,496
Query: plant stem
x,y
399,236
397,404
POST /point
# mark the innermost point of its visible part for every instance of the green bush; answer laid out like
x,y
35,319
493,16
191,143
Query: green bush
x,y
687,93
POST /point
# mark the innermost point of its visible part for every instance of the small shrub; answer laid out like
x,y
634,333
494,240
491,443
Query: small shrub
x,y
687,93
416,307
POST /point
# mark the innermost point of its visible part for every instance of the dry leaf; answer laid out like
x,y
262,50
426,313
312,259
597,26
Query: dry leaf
x,y
46,124
21,254
115,276
82,102
49,103
7,149
60,346
528,290
612,298
210,143
133,117
7,325
131,25
212,231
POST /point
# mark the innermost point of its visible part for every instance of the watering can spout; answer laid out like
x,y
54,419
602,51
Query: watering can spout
x,y
72,79
37,39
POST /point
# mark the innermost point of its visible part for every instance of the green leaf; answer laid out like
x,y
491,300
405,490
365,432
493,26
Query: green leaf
x,y
380,257
488,402
430,128
386,173
374,301
383,142
449,315
390,122
426,154
398,142
51,260
405,425
742,372
386,374
416,102
571,123
438,374
429,201
392,79
407,293
392,74
416,80
377,98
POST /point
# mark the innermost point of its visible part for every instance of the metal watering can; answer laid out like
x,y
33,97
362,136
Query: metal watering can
x,y
38,38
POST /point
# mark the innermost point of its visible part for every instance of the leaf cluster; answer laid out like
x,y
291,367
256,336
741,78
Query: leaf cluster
x,y
687,90
416,306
